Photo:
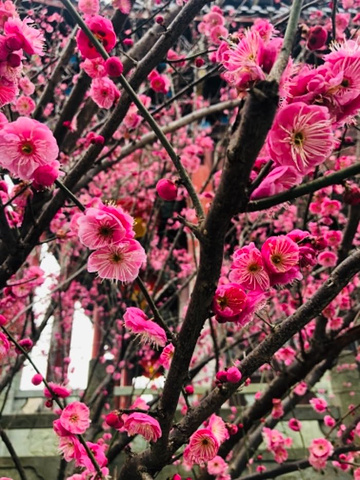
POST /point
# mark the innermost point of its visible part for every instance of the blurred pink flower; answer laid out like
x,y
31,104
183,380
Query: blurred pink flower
x,y
166,356
320,449
4,346
318,404
89,7
30,39
294,424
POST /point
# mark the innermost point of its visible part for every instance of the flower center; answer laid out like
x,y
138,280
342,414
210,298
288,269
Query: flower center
x,y
298,139
276,259
74,418
222,301
27,148
116,257
105,231
253,267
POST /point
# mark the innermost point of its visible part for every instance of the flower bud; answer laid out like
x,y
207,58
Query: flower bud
x,y
37,379
317,37
114,67
233,375
166,189
113,419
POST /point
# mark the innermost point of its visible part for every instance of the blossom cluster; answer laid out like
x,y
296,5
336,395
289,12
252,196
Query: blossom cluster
x,y
108,230
75,420
103,90
315,100
254,271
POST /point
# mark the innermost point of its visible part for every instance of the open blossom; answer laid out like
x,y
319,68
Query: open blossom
x,y
104,92
103,30
218,428
319,404
30,39
320,450
75,418
25,105
70,447
104,225
294,424
143,424
217,466
159,83
136,321
203,446
276,443
280,254
120,262
248,269
243,61
229,300
25,145
301,136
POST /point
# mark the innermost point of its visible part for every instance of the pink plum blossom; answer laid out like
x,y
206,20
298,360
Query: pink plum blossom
x,y
104,92
30,39
104,225
143,424
25,145
167,355
277,410
119,262
103,30
281,259
217,426
229,300
294,424
136,321
320,450
75,418
4,346
203,446
278,180
248,269
89,7
301,136
233,375
318,404
217,465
